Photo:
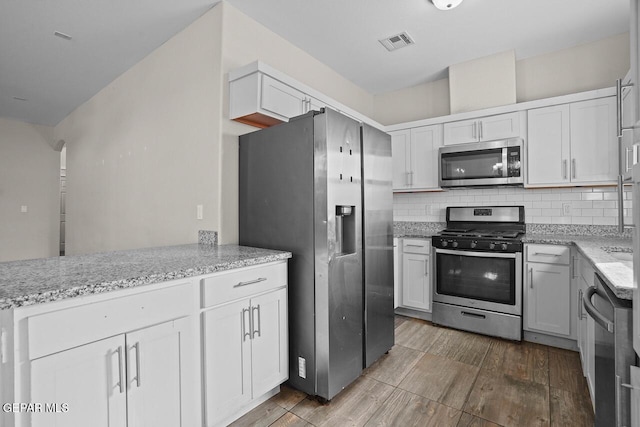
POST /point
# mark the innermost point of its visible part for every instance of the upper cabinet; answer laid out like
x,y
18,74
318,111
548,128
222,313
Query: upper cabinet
x,y
262,96
415,158
626,100
483,129
573,144
275,102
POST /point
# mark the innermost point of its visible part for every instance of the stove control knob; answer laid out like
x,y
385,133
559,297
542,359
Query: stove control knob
x,y
445,243
492,245
454,244
473,244
504,246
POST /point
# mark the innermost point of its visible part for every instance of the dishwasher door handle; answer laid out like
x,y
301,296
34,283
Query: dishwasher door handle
x,y
593,312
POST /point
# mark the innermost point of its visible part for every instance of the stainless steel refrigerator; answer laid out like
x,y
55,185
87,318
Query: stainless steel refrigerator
x,y
319,186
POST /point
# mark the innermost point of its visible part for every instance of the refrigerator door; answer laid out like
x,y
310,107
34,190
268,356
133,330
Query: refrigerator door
x,y
338,252
377,206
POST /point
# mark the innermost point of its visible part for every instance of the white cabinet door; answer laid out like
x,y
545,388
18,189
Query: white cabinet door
x,y
227,363
281,99
313,104
154,375
269,343
594,143
548,291
628,116
425,142
548,145
461,132
401,149
499,127
416,289
89,378
488,128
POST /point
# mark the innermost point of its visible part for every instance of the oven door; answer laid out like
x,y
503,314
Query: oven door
x,y
484,280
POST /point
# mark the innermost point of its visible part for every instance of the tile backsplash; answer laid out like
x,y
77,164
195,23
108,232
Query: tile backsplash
x,y
575,205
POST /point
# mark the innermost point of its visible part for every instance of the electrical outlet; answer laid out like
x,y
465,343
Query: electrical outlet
x,y
23,209
566,209
199,212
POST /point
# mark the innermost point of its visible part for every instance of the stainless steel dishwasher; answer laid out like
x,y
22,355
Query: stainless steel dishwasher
x,y
613,353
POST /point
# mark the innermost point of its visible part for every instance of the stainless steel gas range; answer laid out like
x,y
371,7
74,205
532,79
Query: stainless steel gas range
x,y
478,270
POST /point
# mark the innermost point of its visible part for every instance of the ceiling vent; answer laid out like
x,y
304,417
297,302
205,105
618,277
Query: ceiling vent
x,y
396,42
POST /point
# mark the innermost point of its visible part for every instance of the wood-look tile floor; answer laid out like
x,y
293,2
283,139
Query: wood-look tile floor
x,y
437,376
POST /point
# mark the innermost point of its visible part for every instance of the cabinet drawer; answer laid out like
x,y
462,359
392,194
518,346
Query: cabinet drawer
x,y
550,254
416,246
63,329
225,287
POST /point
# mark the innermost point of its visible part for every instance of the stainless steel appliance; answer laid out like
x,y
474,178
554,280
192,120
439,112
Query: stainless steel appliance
x,y
320,187
614,353
482,163
478,270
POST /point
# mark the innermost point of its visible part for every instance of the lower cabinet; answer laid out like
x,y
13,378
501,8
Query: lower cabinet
x,y
245,348
586,325
547,290
397,271
416,274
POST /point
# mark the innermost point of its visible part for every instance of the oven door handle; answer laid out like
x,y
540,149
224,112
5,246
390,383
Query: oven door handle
x,y
477,254
598,317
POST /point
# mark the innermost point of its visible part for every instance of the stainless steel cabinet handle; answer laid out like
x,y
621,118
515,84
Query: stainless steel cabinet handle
x,y
545,254
414,246
628,150
473,132
564,169
253,310
580,313
137,377
250,282
573,266
120,370
411,178
620,112
426,267
481,131
573,168
245,334
531,277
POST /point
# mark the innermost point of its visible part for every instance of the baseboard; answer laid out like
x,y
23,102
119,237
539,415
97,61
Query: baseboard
x,y
418,314
550,340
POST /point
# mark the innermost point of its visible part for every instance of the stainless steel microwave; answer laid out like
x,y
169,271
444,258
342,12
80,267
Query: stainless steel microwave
x,y
482,163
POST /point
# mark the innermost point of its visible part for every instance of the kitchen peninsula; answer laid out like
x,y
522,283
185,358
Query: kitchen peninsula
x,y
143,335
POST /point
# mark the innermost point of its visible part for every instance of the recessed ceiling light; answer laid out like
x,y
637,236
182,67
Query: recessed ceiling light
x,y
19,99
62,35
446,4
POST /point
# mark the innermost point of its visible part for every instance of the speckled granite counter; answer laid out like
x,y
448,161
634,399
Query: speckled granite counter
x,y
417,229
50,279
617,275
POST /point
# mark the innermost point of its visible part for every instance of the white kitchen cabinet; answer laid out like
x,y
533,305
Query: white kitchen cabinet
x,y
416,274
594,143
415,158
586,325
547,290
90,379
246,341
261,100
572,144
628,119
132,380
483,129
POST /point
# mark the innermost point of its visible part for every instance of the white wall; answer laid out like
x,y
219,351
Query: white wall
x,y
597,205
484,82
144,151
245,41
29,176
586,67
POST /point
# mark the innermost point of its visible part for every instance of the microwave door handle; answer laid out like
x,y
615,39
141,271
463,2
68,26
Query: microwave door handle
x,y
505,166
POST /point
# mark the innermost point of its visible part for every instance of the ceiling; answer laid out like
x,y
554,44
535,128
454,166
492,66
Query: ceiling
x,y
55,75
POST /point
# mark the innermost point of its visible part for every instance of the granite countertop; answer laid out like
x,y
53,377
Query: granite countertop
x,y
38,281
617,274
